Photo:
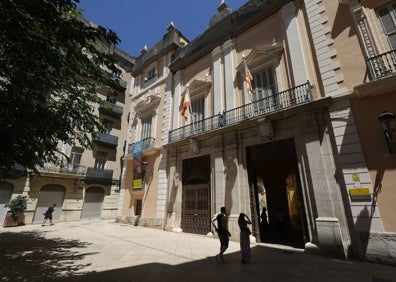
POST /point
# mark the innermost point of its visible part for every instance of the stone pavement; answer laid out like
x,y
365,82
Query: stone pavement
x,y
109,251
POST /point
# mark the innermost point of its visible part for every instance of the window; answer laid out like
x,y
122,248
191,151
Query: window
x,y
264,91
75,156
138,207
151,74
387,16
108,126
150,77
100,160
146,130
116,73
111,99
198,115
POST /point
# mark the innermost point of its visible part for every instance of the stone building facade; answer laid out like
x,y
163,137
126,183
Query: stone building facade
x,y
86,187
301,143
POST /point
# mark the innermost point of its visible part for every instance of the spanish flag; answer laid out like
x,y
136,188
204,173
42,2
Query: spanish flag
x,y
248,79
185,107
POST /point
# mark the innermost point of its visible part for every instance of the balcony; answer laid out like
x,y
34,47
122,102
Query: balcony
x,y
98,176
63,168
120,84
275,103
106,140
382,65
148,143
17,171
111,109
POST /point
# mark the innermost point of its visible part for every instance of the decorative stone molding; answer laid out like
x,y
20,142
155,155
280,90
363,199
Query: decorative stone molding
x,y
261,54
198,89
193,147
148,101
265,129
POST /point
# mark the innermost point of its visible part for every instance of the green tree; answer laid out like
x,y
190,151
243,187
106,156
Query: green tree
x,y
52,62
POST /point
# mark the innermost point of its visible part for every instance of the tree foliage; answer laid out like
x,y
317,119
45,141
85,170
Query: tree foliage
x,y
51,64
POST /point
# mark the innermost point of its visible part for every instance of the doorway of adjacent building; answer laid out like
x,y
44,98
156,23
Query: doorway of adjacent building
x,y
93,202
275,186
49,195
5,197
195,217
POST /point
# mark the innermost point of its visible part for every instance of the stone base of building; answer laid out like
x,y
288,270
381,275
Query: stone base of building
x,y
379,247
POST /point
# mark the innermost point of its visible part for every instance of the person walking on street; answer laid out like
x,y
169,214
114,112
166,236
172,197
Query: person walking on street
x,y
263,224
223,233
243,222
48,215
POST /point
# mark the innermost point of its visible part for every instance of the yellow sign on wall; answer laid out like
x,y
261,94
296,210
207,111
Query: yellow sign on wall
x,y
355,177
359,191
360,194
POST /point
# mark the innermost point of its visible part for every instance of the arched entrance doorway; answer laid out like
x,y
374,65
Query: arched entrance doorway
x,y
93,203
195,217
49,195
275,185
5,197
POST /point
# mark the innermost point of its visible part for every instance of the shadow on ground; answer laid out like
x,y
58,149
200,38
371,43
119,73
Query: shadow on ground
x,y
28,256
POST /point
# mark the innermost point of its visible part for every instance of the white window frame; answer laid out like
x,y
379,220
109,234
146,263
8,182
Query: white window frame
x,y
100,160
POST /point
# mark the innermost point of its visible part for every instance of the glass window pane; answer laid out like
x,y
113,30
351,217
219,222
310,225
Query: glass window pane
x,y
387,21
146,127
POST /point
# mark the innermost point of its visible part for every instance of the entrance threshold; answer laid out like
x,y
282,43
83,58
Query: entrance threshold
x,y
282,247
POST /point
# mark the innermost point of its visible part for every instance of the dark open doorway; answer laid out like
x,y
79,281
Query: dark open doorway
x,y
275,185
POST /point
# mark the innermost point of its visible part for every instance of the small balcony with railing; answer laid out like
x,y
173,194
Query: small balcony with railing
x,y
107,140
98,176
147,144
274,103
382,65
111,109
75,169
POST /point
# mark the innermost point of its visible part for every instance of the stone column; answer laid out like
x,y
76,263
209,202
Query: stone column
x,y
217,81
294,41
229,95
321,192
176,100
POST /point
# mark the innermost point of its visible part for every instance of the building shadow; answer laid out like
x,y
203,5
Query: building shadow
x,y
28,256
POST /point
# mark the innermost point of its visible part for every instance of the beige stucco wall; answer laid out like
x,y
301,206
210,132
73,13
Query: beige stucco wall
x,y
380,163
346,46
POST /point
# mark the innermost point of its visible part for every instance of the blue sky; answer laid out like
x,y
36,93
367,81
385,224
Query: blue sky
x,y
143,22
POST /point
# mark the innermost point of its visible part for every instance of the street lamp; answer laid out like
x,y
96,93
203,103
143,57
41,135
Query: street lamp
x,y
387,120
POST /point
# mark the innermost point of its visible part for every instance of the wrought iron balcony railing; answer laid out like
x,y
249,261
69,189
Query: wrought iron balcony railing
x,y
147,144
111,109
63,168
277,102
100,176
382,65
107,140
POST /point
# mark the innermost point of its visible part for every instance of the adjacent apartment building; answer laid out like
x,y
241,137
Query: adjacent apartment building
x,y
274,105
87,186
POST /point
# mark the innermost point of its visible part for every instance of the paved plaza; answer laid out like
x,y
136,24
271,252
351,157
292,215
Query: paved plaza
x,y
110,251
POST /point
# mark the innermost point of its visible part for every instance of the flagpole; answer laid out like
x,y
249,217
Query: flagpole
x,y
245,72
189,106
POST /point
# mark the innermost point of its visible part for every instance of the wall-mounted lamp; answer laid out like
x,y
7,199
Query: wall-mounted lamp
x,y
387,120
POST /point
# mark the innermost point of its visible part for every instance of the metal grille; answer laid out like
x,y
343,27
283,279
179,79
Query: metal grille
x,y
196,208
276,102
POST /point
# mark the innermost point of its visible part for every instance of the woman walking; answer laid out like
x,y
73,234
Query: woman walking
x,y
243,222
